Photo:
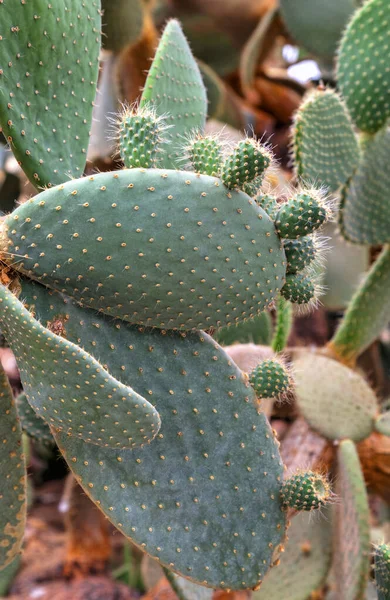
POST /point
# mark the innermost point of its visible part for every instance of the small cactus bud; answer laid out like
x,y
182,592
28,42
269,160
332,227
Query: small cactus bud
x,y
382,571
268,203
299,253
247,162
140,137
270,379
300,289
306,491
205,155
303,214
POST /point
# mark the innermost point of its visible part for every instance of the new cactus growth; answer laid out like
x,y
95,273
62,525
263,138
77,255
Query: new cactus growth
x,y
205,155
306,491
140,138
382,571
301,215
246,163
270,379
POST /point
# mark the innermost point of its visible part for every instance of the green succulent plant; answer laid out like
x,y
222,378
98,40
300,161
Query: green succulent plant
x,y
115,275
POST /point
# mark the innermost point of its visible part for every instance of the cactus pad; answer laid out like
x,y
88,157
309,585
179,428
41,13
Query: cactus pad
x,y
212,467
122,22
205,155
174,85
187,590
306,491
268,203
304,564
382,571
69,388
247,162
33,425
351,526
382,424
335,401
301,215
140,138
270,379
325,145
299,289
364,212
299,253
145,245
363,76
48,73
13,474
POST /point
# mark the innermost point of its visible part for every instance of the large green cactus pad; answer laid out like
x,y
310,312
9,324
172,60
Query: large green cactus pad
x,y
315,25
363,74
335,401
305,562
13,477
69,388
164,248
174,86
210,480
325,145
351,526
364,215
48,72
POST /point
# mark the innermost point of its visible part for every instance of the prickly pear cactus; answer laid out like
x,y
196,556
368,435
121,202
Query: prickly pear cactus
x,y
13,501
382,571
270,379
133,264
306,491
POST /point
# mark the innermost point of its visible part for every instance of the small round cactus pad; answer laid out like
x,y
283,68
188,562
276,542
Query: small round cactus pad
x,y
203,497
336,401
169,249
13,481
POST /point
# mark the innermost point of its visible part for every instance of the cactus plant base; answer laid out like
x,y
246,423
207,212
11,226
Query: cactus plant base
x,y
193,493
336,401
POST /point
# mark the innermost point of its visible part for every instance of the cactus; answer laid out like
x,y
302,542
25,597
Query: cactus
x,y
49,55
306,491
300,289
382,423
351,526
270,379
122,22
35,427
205,155
284,319
133,264
382,570
186,590
13,500
338,406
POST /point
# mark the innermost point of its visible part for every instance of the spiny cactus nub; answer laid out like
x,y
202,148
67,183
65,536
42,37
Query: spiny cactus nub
x,y
270,378
300,253
382,571
140,137
300,289
248,160
204,154
268,203
306,491
304,213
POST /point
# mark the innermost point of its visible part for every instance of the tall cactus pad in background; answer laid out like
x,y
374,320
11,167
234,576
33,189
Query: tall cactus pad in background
x,y
306,491
214,455
382,571
69,388
174,86
305,562
165,248
365,210
334,400
351,526
363,73
13,477
48,72
325,145
270,379
315,25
